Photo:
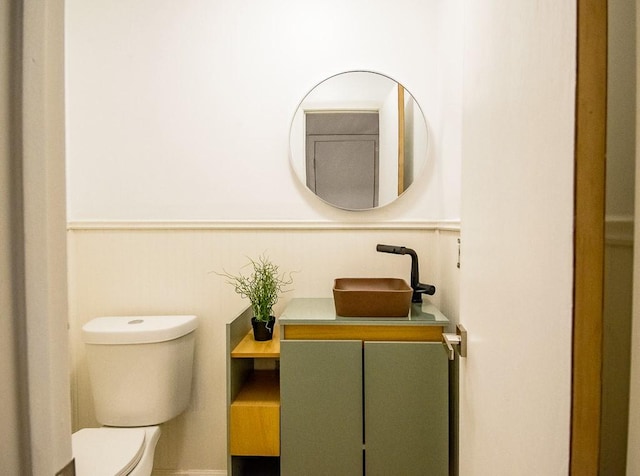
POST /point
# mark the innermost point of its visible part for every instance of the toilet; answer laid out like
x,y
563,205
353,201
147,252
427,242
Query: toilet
x,y
140,368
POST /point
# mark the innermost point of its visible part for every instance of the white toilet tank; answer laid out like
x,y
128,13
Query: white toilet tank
x,y
140,367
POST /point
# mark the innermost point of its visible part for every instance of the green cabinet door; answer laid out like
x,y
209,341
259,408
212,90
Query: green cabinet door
x,y
406,409
321,408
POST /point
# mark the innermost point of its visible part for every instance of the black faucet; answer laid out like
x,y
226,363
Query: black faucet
x,y
418,288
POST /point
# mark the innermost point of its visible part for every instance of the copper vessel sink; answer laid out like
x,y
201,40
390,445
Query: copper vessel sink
x,y
372,297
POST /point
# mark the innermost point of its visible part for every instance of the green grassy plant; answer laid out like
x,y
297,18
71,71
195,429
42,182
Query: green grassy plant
x,y
262,286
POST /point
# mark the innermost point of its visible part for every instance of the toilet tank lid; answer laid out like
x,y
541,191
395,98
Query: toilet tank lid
x,y
137,329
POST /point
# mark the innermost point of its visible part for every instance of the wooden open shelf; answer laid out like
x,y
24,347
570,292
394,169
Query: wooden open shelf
x,y
249,348
253,400
255,416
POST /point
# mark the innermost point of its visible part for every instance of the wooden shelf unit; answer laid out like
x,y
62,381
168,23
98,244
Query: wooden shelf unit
x,y
253,399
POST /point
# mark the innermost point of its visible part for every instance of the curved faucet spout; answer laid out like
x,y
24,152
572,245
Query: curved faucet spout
x,y
416,285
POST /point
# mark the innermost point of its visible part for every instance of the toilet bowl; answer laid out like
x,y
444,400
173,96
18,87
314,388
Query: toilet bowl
x,y
115,451
140,369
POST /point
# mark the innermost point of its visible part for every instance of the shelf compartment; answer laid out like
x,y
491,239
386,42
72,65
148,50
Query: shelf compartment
x,y
249,348
255,416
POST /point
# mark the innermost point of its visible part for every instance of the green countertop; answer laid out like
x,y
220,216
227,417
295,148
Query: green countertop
x,y
322,311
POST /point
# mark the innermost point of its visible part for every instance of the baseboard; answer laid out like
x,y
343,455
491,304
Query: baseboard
x,y
188,472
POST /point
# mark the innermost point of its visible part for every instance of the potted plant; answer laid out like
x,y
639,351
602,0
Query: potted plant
x,y
262,287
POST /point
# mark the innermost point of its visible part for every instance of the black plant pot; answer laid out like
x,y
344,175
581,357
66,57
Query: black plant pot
x,y
263,330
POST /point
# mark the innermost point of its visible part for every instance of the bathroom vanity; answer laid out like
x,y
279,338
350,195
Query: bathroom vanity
x,y
355,395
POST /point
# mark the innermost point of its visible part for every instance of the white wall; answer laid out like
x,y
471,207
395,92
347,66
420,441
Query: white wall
x,y
35,421
178,113
182,110
516,280
42,162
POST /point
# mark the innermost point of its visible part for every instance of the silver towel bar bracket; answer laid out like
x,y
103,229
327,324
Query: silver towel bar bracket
x,y
455,342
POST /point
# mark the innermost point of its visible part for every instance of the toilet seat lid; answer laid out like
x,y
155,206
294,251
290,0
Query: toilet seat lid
x,y
107,451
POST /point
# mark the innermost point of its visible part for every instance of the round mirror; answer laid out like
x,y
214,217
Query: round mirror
x,y
358,139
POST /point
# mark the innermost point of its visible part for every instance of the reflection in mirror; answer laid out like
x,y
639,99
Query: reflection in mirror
x,y
358,139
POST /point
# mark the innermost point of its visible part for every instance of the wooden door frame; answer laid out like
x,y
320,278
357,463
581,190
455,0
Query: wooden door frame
x,y
590,156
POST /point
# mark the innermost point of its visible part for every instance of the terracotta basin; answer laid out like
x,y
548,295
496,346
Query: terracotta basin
x,y
372,297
